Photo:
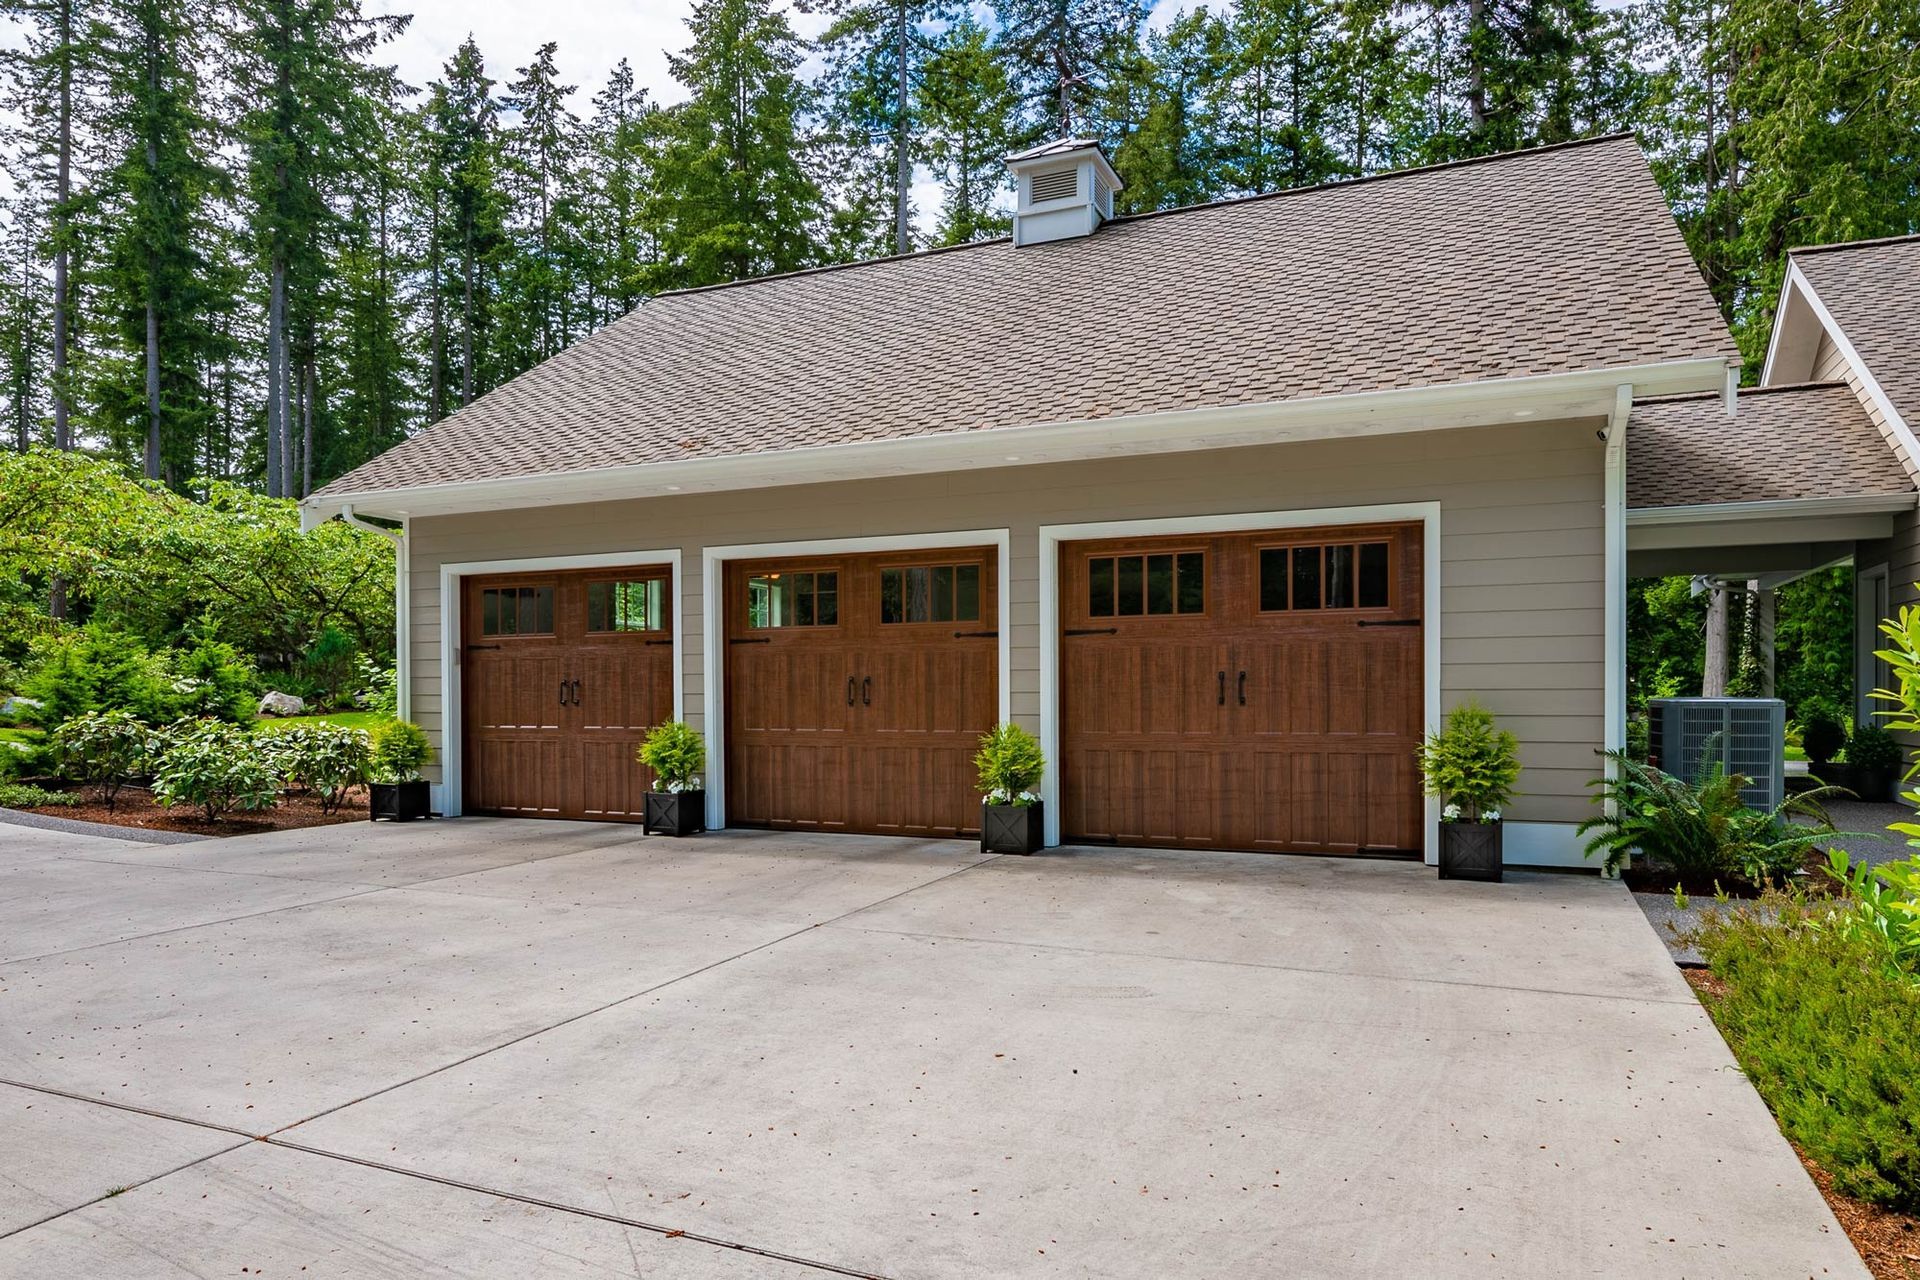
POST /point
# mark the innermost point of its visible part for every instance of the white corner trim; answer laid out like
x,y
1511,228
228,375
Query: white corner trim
x,y
713,682
451,738
1902,433
1052,535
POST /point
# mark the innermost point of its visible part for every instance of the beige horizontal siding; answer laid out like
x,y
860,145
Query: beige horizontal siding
x,y
1830,364
1520,556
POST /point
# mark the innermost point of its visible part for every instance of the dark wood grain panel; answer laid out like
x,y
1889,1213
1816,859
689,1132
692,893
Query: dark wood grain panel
x,y
1240,725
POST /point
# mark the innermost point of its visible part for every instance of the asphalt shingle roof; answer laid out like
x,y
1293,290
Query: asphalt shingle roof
x,y
1872,290
1809,441
1555,260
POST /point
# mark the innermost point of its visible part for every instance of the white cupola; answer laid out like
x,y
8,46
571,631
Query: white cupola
x,y
1065,190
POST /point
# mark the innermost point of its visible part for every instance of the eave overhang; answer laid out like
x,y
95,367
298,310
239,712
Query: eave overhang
x,y
1546,397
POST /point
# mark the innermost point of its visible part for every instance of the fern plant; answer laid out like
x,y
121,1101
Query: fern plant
x,y
1703,828
1471,765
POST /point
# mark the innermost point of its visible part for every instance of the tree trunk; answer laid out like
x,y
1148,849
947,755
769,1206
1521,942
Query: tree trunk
x,y
152,467
275,371
1763,633
62,229
466,322
902,161
306,429
437,405
1713,681
1477,66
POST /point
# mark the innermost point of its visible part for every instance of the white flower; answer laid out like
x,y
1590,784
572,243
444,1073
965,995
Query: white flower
x,y
1451,813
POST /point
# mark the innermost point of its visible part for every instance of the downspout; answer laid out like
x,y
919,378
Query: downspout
x,y
402,581
1614,685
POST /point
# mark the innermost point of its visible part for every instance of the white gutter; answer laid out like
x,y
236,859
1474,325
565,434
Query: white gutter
x,y
1614,681
1711,512
402,582
1543,397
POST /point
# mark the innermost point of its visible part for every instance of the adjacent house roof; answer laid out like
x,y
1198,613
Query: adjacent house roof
x,y
1872,290
1810,441
1556,260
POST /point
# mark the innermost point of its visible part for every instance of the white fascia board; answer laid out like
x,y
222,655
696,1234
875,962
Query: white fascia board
x,y
1786,508
1545,397
1902,433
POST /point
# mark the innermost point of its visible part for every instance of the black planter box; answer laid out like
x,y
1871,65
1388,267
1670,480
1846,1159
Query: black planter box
x,y
399,801
675,813
1012,828
1470,851
1875,786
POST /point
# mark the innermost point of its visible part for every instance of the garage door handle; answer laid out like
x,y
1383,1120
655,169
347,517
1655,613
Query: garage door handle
x,y
576,693
1243,688
563,693
866,691
1089,631
1223,689
849,690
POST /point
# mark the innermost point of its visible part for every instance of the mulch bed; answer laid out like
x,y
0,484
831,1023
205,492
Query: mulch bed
x,y
1887,1240
134,807
1644,878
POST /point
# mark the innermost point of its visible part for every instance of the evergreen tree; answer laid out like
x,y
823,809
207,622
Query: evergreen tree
x,y
734,195
302,82
1276,109
1060,54
967,104
469,225
156,276
540,151
1172,155
621,154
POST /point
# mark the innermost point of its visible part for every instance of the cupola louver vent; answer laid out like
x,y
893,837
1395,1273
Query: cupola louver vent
x,y
1062,184
1065,190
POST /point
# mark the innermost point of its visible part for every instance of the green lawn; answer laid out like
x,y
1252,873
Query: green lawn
x,y
19,735
351,719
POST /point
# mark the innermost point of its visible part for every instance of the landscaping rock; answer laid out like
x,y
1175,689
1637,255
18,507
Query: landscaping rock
x,y
18,706
281,704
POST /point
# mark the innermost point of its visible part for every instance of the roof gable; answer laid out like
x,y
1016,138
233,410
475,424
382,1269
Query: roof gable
x,y
1551,261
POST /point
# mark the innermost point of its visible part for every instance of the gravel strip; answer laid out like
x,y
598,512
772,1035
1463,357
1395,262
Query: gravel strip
x,y
140,835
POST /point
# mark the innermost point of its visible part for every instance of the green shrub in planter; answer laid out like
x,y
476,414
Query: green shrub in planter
x,y
219,767
399,751
328,760
1822,733
677,805
676,755
1471,765
102,749
1011,765
1873,755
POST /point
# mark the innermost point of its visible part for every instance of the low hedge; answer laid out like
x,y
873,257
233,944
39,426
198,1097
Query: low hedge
x,y
1829,1038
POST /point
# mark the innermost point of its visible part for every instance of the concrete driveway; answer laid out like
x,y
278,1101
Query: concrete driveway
x,y
515,1049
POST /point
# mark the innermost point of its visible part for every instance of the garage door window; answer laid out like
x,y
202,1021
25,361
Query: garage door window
x,y
1147,585
627,606
793,600
1342,576
930,593
516,611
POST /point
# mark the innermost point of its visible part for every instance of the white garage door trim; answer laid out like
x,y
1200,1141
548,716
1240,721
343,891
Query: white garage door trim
x,y
713,656
452,743
1052,535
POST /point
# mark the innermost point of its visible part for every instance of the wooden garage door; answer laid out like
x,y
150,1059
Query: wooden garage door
x,y
858,688
563,674
1246,691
